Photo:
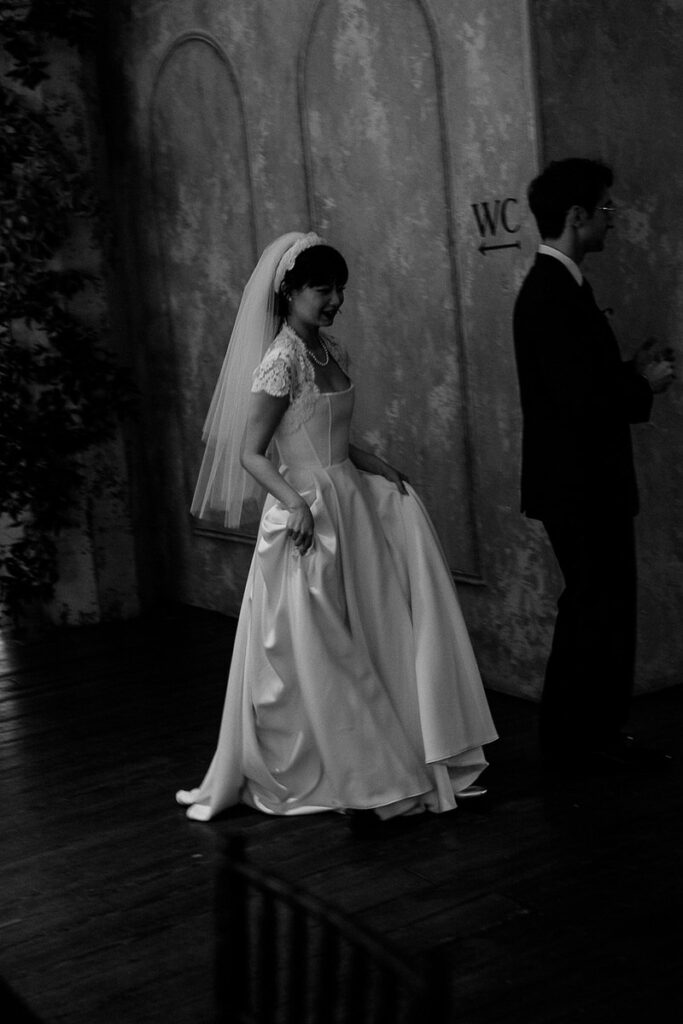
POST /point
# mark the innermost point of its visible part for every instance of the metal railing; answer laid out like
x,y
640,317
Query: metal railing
x,y
283,956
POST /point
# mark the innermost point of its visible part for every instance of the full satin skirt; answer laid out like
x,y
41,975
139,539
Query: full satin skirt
x,y
353,684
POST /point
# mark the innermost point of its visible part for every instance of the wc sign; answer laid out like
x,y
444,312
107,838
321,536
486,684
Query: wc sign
x,y
496,221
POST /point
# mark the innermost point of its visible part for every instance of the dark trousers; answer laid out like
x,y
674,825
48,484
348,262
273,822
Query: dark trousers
x,y
589,676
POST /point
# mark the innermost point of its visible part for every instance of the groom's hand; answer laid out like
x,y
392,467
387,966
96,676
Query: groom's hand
x,y
656,365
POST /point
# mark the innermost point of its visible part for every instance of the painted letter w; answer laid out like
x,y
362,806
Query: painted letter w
x,y
487,220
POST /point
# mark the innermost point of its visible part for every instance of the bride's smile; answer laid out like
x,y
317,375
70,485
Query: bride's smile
x,y
314,306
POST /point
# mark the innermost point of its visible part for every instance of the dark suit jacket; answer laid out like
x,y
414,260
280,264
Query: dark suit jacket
x,y
578,399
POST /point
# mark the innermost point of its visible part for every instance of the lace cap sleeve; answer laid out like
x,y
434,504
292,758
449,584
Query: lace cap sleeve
x,y
275,373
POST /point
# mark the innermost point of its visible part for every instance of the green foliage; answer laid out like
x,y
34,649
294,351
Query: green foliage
x,y
61,393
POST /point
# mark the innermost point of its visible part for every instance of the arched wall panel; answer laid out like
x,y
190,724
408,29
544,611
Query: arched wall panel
x,y
376,157
204,218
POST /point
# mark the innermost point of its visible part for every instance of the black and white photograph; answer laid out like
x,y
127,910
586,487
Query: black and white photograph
x,y
341,511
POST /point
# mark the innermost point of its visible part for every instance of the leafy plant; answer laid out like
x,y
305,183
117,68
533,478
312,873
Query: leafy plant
x,y
61,393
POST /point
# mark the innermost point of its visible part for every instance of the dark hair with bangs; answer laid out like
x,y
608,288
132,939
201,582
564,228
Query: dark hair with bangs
x,y
563,184
317,265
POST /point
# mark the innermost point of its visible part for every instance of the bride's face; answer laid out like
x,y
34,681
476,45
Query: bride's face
x,y
315,306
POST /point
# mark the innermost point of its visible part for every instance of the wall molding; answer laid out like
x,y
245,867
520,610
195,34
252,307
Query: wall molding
x,y
466,418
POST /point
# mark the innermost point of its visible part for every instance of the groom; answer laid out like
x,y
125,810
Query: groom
x,y
578,400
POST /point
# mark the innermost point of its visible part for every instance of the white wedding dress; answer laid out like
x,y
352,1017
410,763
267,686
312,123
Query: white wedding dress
x,y
353,684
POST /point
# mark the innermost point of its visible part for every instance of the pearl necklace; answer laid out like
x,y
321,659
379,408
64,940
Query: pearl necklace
x,y
315,359
320,362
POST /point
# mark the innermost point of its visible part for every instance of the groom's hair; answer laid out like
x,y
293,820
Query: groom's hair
x,y
563,184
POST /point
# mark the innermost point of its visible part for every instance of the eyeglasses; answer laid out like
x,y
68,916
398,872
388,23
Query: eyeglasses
x,y
610,210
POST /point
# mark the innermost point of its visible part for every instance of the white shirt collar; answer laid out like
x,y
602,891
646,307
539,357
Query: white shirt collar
x,y
548,250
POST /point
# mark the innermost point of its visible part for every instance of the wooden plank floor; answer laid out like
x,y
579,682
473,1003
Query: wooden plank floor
x,y
551,903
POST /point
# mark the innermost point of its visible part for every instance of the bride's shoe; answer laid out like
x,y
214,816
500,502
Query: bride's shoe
x,y
469,792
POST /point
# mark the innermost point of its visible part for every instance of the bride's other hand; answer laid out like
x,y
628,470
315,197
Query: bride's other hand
x,y
395,476
300,528
368,462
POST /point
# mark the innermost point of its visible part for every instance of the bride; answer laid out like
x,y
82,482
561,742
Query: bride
x,y
353,685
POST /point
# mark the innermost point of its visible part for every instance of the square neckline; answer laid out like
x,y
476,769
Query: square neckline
x,y
344,391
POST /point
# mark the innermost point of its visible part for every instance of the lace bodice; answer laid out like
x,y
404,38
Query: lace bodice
x,y
322,441
286,370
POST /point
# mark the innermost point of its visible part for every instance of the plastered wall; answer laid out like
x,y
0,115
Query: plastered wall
x,y
406,132
611,85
